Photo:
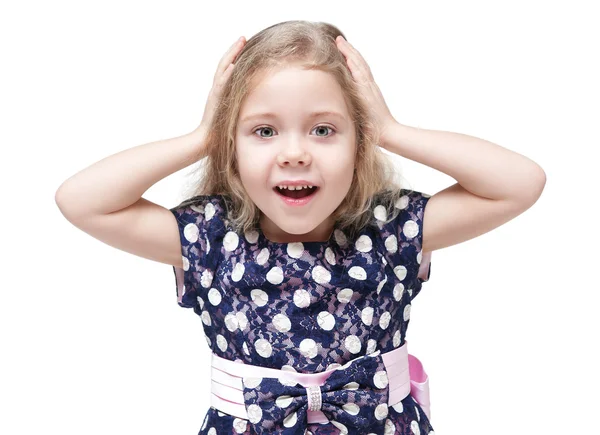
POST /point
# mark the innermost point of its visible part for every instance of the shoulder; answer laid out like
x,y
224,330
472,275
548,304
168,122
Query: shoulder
x,y
399,215
202,213
208,205
399,203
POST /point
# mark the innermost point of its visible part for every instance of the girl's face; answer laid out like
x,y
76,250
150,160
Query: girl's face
x,y
278,139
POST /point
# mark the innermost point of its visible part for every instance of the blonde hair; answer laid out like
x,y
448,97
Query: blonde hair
x,y
310,45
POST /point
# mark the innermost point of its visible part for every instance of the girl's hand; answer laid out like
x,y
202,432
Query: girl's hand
x,y
369,90
223,72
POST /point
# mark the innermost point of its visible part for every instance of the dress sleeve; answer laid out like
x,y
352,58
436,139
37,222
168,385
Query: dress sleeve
x,y
200,225
403,239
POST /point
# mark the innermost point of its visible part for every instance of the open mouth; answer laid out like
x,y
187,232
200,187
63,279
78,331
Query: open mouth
x,y
296,194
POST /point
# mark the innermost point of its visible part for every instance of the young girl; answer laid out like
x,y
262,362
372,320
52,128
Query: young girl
x,y
298,250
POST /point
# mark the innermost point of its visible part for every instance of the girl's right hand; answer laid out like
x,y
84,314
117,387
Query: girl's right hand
x,y
223,72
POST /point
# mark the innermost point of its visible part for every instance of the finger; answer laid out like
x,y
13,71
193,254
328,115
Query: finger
x,y
359,66
229,56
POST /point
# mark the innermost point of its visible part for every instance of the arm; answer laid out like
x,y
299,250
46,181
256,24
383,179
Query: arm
x,y
104,200
118,181
494,184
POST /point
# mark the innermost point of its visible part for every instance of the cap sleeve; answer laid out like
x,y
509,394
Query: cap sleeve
x,y
201,228
403,240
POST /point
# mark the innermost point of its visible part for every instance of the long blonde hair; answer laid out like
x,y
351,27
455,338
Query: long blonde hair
x,y
310,45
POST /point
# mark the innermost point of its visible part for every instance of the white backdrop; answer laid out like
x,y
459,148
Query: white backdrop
x,y
93,341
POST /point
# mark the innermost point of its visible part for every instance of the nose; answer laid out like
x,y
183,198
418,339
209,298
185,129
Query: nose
x,y
293,153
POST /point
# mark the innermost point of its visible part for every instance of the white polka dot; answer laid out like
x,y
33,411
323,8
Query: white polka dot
x,y
275,275
380,379
295,249
326,320
208,341
398,291
340,238
343,429
290,382
357,272
402,202
301,298
251,236
345,295
209,211
254,413
352,343
206,278
263,348
381,411
398,407
212,431
186,263
231,322
366,315
240,425
321,275
400,272
237,272
221,342
384,320
190,232
330,256
251,382
414,427
200,302
207,245
381,284
231,241
407,312
391,243
245,348
242,320
397,338
263,256
214,297
282,323
290,420
351,386
390,427
380,213
259,297
418,414
364,243
351,408
284,401
410,229
205,316
371,345
308,348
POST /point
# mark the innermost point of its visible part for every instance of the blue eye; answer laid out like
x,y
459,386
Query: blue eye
x,y
269,128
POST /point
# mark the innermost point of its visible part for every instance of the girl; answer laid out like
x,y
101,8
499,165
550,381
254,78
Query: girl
x,y
298,250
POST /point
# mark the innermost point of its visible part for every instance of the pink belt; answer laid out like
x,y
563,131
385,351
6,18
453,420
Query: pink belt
x,y
395,374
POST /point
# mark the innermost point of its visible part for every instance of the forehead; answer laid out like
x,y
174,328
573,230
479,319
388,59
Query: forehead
x,y
293,90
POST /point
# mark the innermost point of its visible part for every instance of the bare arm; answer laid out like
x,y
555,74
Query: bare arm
x,y
104,199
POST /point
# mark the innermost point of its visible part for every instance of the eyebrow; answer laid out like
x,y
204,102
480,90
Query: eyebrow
x,y
311,115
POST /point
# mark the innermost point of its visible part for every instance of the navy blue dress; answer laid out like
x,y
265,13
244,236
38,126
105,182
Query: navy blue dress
x,y
310,305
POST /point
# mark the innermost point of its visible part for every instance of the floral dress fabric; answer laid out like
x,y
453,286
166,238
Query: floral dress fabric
x,y
309,305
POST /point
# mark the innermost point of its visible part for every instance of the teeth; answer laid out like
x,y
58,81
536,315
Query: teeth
x,y
295,187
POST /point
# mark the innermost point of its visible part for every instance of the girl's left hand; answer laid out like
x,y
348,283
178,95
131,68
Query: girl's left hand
x,y
370,91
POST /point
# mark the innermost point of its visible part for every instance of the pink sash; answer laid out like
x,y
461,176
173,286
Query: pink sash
x,y
405,374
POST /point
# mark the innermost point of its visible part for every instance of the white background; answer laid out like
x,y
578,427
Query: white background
x,y
93,341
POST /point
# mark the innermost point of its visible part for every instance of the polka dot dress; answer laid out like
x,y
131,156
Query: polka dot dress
x,y
304,306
